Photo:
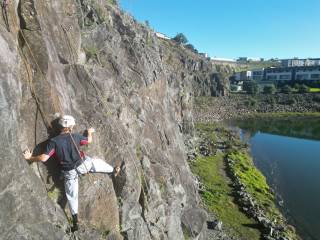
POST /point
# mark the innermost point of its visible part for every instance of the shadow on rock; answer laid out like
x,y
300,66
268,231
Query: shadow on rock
x,y
53,172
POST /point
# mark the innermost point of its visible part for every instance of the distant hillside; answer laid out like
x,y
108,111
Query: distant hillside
x,y
257,65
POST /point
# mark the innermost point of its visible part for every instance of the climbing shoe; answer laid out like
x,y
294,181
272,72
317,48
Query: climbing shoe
x,y
75,226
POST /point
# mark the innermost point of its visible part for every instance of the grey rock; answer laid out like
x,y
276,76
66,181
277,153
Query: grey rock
x,y
194,221
97,63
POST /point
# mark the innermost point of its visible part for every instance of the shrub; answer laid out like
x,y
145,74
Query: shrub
x,y
291,100
272,100
303,88
296,86
316,98
269,89
191,47
286,89
180,38
251,102
251,87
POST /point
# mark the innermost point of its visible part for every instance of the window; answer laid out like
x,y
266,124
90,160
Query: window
x,y
272,77
257,77
285,77
302,76
257,73
315,76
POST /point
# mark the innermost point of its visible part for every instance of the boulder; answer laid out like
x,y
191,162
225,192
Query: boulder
x,y
193,221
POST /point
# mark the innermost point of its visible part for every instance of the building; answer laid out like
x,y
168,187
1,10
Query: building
x,y
296,62
282,74
161,35
257,75
278,74
304,73
242,60
223,61
311,73
204,55
312,62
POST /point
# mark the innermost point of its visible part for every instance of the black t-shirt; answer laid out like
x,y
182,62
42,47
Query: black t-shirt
x,y
64,150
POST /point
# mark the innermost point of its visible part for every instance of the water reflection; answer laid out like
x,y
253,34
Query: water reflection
x,y
287,151
298,127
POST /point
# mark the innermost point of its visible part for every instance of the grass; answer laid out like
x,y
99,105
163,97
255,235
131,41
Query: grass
x,y
314,90
92,52
218,197
256,65
112,2
255,182
54,194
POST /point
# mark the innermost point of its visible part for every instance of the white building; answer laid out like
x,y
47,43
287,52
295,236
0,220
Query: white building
x,y
223,59
297,62
161,35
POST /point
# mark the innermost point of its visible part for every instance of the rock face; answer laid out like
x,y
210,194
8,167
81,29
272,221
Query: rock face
x,y
97,63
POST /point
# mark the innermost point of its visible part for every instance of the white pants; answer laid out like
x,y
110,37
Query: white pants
x,y
71,179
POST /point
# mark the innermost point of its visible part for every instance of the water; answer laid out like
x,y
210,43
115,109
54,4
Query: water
x,y
287,151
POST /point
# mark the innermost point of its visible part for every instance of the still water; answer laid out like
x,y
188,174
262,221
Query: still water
x,y
287,151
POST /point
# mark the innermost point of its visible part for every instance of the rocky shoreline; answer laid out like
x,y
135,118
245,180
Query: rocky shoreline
x,y
271,228
207,109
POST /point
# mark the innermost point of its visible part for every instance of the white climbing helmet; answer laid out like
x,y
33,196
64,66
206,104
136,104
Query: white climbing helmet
x,y
67,121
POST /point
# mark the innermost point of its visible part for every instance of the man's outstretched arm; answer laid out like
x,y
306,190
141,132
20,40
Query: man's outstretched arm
x,y
40,158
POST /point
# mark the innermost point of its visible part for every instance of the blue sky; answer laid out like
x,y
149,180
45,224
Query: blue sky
x,y
236,28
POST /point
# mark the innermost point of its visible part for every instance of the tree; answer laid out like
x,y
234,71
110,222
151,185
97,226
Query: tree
x,y
180,38
296,86
191,47
286,89
303,88
251,87
269,89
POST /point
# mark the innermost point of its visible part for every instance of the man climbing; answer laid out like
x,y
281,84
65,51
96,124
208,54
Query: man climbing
x,y
65,148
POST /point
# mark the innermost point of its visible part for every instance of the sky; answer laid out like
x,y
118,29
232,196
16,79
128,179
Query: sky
x,y
237,28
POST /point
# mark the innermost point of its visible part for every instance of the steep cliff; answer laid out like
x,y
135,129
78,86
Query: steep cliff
x,y
91,60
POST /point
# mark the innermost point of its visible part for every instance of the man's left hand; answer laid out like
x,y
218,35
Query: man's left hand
x,y
91,130
27,154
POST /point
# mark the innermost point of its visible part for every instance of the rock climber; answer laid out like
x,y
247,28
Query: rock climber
x,y
65,149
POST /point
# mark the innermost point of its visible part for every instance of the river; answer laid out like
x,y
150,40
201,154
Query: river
x,y
287,151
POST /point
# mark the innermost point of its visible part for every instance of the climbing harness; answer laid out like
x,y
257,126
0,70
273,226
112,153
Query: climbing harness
x,y
4,7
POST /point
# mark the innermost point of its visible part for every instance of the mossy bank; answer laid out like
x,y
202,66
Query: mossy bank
x,y
234,189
